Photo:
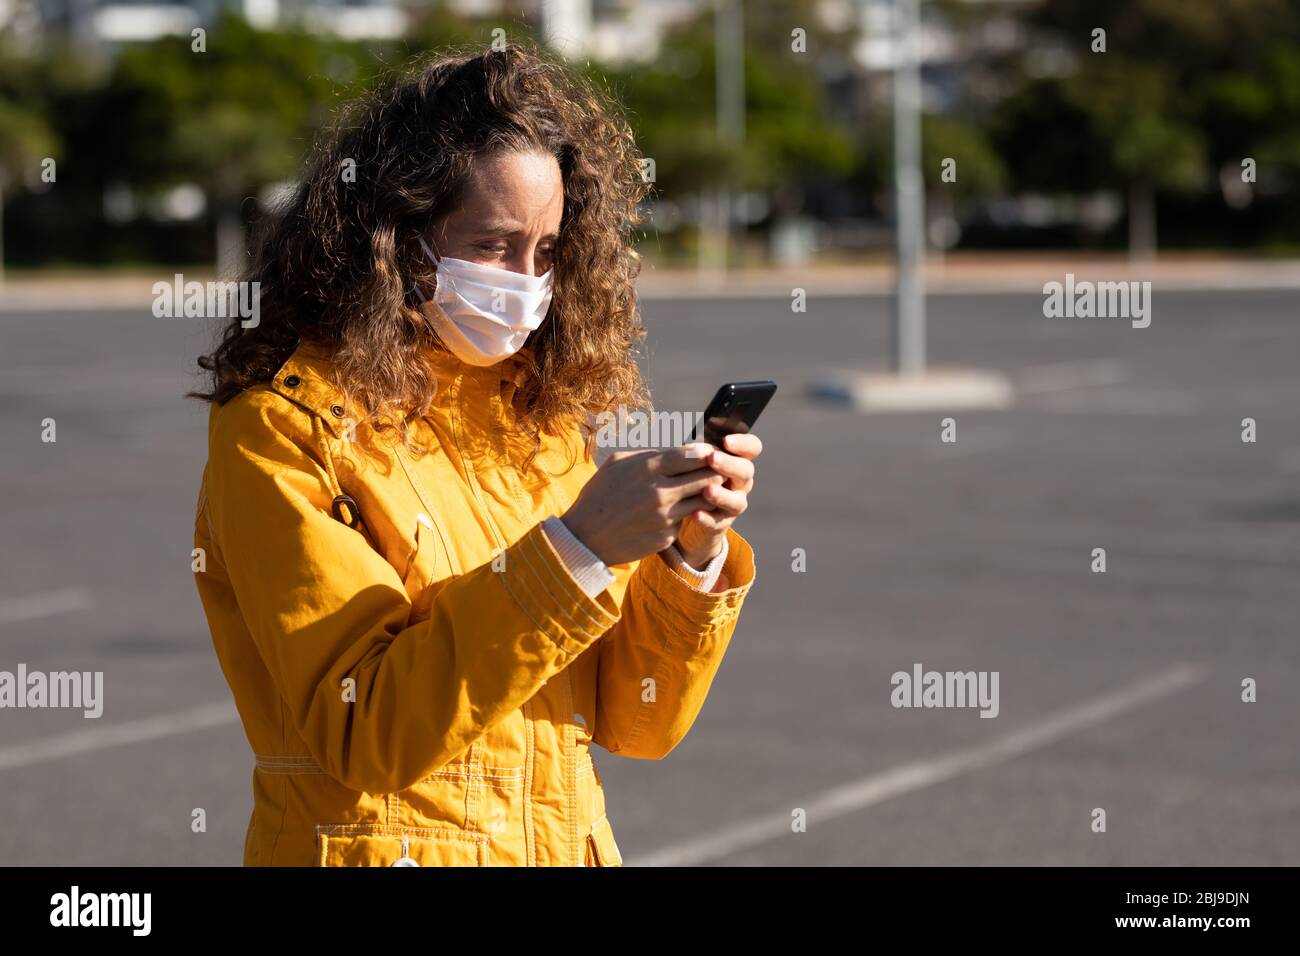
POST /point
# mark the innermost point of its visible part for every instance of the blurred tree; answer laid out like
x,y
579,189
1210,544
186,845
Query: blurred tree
x,y
25,140
979,170
30,92
958,159
436,26
1178,86
959,163
233,119
791,140
1152,144
1252,108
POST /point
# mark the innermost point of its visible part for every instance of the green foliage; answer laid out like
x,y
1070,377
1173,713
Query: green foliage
x,y
671,105
38,102
25,139
1184,89
980,170
1180,87
233,118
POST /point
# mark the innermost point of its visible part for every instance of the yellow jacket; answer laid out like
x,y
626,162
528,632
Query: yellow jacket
x,y
419,676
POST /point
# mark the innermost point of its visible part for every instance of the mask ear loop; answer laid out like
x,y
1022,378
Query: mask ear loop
x,y
427,251
436,261
451,282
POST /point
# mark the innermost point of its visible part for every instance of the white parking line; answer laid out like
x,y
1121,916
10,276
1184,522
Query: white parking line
x,y
44,604
908,778
119,735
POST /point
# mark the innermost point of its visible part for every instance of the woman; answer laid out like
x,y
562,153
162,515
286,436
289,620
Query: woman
x,y
427,599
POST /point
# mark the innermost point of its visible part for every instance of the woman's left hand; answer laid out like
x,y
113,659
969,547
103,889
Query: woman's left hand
x,y
701,533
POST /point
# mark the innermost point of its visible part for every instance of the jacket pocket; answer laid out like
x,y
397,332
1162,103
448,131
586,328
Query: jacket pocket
x,y
377,844
601,848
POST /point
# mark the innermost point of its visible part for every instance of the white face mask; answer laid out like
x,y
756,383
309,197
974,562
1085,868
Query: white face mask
x,y
484,314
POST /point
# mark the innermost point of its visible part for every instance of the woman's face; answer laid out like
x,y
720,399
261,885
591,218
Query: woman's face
x,y
510,216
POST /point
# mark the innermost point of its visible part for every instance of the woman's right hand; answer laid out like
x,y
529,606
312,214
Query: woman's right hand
x,y
631,507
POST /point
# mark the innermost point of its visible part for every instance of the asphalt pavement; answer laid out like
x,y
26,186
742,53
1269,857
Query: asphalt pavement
x,y
1119,691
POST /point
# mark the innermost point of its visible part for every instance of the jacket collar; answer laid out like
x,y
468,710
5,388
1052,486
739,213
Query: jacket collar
x,y
305,380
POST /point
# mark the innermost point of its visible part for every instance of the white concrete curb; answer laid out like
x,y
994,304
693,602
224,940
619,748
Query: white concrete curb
x,y
940,389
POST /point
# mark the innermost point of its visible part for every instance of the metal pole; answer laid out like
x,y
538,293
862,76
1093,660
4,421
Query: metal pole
x,y
909,191
729,44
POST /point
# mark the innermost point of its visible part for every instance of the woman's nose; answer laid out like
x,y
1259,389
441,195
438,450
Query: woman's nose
x,y
529,264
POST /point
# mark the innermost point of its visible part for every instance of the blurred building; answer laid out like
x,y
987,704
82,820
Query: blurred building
x,y
612,31
106,23
605,29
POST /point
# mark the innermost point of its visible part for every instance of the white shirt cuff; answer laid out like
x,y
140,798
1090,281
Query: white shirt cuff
x,y
700,580
590,573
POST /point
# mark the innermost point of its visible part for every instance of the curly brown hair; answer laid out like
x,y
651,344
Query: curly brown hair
x,y
339,262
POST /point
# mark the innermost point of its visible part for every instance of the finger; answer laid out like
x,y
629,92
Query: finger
x,y
740,471
745,446
691,483
725,500
688,506
678,461
713,521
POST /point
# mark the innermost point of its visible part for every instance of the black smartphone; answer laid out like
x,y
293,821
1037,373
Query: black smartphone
x,y
735,408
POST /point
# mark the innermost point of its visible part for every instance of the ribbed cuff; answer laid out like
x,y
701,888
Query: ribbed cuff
x,y
538,581
590,573
692,618
700,580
